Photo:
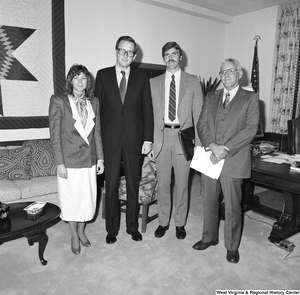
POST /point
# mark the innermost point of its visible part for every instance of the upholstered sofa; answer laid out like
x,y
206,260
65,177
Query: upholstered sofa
x,y
28,172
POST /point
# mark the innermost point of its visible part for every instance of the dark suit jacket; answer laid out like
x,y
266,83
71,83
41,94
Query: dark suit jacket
x,y
70,146
241,126
132,121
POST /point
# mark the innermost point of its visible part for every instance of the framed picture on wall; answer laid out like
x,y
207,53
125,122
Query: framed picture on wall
x,y
152,70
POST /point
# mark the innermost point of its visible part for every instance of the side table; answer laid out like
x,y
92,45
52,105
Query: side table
x,y
17,225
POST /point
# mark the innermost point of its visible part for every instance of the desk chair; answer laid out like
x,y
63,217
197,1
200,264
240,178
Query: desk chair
x,y
147,193
294,135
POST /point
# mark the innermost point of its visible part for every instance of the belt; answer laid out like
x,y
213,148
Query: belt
x,y
172,126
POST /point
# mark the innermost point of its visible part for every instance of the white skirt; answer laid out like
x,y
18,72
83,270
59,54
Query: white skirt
x,y
77,194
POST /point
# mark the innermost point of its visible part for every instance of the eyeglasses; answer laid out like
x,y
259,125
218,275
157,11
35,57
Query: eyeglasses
x,y
230,72
122,51
172,54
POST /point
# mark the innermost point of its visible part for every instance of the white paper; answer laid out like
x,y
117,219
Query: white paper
x,y
280,158
201,162
35,207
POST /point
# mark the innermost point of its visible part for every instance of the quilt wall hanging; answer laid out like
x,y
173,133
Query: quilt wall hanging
x,y
32,60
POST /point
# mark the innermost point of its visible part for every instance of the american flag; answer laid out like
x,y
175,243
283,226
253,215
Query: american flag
x,y
255,70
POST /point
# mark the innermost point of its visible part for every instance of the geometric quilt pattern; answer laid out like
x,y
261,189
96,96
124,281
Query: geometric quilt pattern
x,y
32,61
10,68
26,71
10,39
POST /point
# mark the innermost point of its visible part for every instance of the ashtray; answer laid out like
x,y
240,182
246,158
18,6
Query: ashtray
x,y
35,210
4,211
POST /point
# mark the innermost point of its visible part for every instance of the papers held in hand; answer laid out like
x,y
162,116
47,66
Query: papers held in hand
x,y
201,162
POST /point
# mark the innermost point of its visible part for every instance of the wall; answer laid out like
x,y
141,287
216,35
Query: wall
x,y
92,31
239,44
93,26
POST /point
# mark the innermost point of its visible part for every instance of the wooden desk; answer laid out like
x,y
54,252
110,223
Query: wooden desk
x,y
275,177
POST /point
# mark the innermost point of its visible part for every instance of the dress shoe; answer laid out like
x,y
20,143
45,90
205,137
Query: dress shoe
x,y
135,235
202,245
160,231
85,244
180,232
233,256
111,238
76,251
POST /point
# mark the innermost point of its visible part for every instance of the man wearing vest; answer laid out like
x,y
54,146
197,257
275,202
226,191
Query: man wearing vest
x,y
227,124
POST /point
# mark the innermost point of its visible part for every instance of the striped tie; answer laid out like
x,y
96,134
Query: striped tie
x,y
172,100
226,101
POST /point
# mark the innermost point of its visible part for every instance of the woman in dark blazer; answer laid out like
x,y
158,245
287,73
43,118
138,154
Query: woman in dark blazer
x,y
75,135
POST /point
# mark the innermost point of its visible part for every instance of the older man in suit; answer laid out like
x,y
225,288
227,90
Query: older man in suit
x,y
177,100
127,133
227,125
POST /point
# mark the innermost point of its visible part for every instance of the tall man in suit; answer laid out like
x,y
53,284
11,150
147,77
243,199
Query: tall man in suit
x,y
227,124
127,133
177,101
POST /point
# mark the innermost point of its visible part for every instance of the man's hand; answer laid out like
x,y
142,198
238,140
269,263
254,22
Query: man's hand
x,y
213,159
219,151
100,167
62,171
147,147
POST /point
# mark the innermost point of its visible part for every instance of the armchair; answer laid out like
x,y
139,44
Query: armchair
x,y
147,193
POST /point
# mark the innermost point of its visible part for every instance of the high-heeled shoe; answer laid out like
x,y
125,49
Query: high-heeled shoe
x,y
85,244
76,251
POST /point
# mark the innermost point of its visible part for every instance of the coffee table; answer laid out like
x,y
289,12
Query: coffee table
x,y
17,225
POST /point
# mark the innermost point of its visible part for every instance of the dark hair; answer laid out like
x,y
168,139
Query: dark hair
x,y
75,70
169,46
128,39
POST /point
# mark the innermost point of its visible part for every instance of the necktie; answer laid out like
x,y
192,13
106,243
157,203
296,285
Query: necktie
x,y
172,100
226,101
122,87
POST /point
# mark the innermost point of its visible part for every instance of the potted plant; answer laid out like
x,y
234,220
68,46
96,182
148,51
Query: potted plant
x,y
208,85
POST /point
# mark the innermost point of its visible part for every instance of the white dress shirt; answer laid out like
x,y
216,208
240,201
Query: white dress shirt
x,y
120,76
232,93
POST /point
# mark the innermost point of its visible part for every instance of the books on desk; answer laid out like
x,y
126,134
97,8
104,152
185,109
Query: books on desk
x,y
264,147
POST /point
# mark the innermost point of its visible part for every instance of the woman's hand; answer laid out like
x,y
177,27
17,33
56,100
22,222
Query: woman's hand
x,y
62,171
100,167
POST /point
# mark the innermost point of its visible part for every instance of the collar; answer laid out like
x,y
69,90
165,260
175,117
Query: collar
x,y
118,71
177,74
232,91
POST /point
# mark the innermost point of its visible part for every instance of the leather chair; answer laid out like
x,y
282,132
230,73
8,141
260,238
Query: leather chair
x,y
147,193
294,136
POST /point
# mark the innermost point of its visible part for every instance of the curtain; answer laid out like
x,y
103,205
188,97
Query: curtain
x,y
282,104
